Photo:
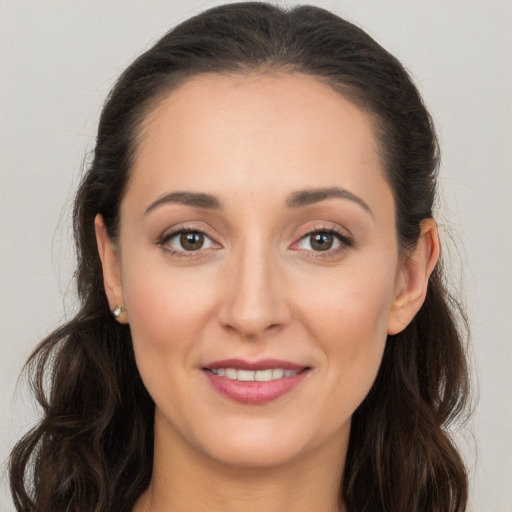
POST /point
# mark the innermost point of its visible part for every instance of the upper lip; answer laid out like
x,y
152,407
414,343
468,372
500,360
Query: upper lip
x,y
262,364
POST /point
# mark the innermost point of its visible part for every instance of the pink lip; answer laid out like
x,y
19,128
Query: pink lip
x,y
255,392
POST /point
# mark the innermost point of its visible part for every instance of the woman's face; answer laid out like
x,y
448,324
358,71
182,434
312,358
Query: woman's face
x,y
258,263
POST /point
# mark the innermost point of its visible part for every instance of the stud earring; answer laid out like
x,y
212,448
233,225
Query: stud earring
x,y
118,310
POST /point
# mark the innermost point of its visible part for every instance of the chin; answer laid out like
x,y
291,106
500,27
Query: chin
x,y
257,455
268,444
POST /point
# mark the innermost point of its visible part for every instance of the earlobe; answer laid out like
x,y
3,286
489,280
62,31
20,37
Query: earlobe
x,y
111,268
413,279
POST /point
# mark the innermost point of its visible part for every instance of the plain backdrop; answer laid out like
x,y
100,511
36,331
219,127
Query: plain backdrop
x,y
58,60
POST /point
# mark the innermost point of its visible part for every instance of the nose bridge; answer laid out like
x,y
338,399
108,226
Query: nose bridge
x,y
253,300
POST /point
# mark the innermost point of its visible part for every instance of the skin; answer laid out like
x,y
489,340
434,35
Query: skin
x,y
258,289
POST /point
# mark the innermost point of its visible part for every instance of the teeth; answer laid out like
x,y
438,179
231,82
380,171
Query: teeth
x,y
250,375
277,373
231,373
263,375
246,375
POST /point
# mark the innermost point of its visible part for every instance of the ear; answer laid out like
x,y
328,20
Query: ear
x,y
413,277
111,268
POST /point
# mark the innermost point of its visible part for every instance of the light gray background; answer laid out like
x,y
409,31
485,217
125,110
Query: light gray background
x,y
57,62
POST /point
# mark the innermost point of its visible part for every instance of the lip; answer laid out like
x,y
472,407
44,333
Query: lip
x,y
254,392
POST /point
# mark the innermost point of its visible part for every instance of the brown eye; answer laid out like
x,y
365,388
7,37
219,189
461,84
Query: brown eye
x,y
187,241
191,241
321,241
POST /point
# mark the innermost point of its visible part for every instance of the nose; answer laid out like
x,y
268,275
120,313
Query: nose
x,y
253,295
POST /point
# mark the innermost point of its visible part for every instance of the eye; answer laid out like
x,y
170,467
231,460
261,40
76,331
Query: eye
x,y
323,240
187,241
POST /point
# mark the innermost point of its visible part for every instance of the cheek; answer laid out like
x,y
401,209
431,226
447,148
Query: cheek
x,y
355,304
349,320
167,315
167,310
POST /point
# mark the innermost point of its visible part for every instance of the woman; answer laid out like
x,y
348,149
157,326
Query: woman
x,y
263,322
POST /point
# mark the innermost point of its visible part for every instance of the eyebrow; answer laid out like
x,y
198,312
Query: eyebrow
x,y
315,195
197,199
295,200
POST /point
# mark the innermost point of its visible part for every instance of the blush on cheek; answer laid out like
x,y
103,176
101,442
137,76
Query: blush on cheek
x,y
158,298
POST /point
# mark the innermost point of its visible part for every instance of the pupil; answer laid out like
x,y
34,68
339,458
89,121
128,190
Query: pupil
x,y
322,241
192,241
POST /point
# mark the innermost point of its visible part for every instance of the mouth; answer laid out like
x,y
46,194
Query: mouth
x,y
257,382
254,376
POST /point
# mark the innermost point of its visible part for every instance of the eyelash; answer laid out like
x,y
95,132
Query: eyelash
x,y
344,240
164,240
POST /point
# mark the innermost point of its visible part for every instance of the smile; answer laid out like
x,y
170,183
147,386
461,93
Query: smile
x,y
250,375
255,382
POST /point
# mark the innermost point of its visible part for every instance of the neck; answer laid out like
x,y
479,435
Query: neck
x,y
185,480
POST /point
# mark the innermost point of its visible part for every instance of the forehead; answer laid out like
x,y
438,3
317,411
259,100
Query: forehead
x,y
271,131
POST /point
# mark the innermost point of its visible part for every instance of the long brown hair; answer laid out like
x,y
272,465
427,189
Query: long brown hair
x,y
93,448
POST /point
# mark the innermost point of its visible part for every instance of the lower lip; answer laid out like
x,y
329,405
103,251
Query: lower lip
x,y
255,392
